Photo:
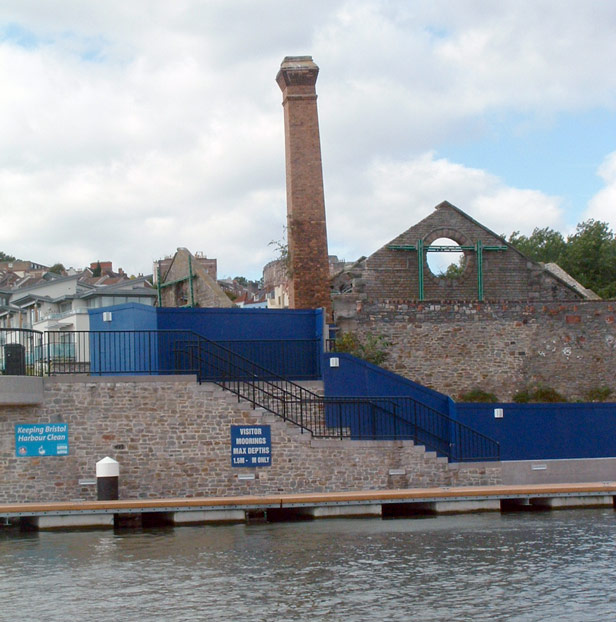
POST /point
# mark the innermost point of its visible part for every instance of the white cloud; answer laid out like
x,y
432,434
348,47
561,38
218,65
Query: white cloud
x,y
131,128
603,205
395,195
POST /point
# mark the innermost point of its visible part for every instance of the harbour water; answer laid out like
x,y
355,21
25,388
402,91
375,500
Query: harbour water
x,y
538,566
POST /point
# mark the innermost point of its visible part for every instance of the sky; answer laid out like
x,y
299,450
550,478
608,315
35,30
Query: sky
x,y
129,129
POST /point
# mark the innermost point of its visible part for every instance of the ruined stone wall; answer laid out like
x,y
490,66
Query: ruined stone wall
x,y
172,439
507,274
502,347
275,273
205,291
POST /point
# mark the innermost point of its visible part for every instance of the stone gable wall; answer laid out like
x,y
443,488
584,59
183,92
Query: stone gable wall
x,y
501,347
172,439
507,275
206,291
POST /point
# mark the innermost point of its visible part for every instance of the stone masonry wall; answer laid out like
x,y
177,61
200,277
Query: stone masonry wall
x,y
502,348
172,439
205,290
507,274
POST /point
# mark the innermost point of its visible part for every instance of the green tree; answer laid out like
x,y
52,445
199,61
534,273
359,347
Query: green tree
x,y
590,257
5,257
282,247
544,245
57,268
454,270
97,270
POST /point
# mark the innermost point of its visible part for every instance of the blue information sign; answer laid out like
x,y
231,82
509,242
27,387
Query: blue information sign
x,y
251,446
41,439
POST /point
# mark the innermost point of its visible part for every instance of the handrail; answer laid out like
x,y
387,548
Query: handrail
x,y
258,385
309,411
413,420
151,352
21,330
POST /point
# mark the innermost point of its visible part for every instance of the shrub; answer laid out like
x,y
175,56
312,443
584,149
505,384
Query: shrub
x,y
538,394
370,348
478,395
598,394
522,397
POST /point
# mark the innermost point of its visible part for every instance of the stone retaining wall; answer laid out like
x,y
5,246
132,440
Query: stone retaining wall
x,y
500,347
171,437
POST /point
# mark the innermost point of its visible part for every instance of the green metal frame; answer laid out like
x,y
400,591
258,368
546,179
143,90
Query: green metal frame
x,y
158,287
189,278
190,281
478,248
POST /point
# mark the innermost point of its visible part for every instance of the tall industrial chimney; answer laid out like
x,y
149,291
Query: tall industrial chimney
x,y
306,228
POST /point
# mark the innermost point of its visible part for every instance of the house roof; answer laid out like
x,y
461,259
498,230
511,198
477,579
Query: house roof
x,y
83,289
29,298
32,283
140,285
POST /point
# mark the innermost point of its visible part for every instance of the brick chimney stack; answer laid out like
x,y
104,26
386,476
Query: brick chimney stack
x,y
306,228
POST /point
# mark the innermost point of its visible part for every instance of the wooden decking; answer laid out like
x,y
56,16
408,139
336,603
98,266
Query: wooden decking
x,y
319,500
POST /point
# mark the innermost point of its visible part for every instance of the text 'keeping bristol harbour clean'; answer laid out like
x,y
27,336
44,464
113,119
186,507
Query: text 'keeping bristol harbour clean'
x,y
41,433
41,439
251,446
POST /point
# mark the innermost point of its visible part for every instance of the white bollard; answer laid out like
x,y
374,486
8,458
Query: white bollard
x,y
107,479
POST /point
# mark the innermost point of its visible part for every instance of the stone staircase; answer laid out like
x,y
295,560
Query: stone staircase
x,y
317,421
418,466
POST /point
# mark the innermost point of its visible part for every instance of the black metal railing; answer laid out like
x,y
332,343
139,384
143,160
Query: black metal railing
x,y
236,366
399,418
153,352
248,380
21,352
115,352
388,418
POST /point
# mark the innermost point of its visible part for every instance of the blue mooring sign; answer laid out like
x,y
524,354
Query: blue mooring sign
x,y
251,446
41,439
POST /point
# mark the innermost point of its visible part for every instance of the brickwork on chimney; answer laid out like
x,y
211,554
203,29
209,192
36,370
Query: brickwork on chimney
x,y
306,226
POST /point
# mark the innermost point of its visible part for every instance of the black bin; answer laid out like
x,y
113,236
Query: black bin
x,y
14,359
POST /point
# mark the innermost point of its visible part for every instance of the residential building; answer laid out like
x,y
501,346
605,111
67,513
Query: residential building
x,y
62,302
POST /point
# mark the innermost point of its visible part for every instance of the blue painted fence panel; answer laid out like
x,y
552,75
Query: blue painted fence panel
x,y
546,431
355,378
286,342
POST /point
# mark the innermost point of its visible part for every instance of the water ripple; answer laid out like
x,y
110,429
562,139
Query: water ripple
x,y
518,568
